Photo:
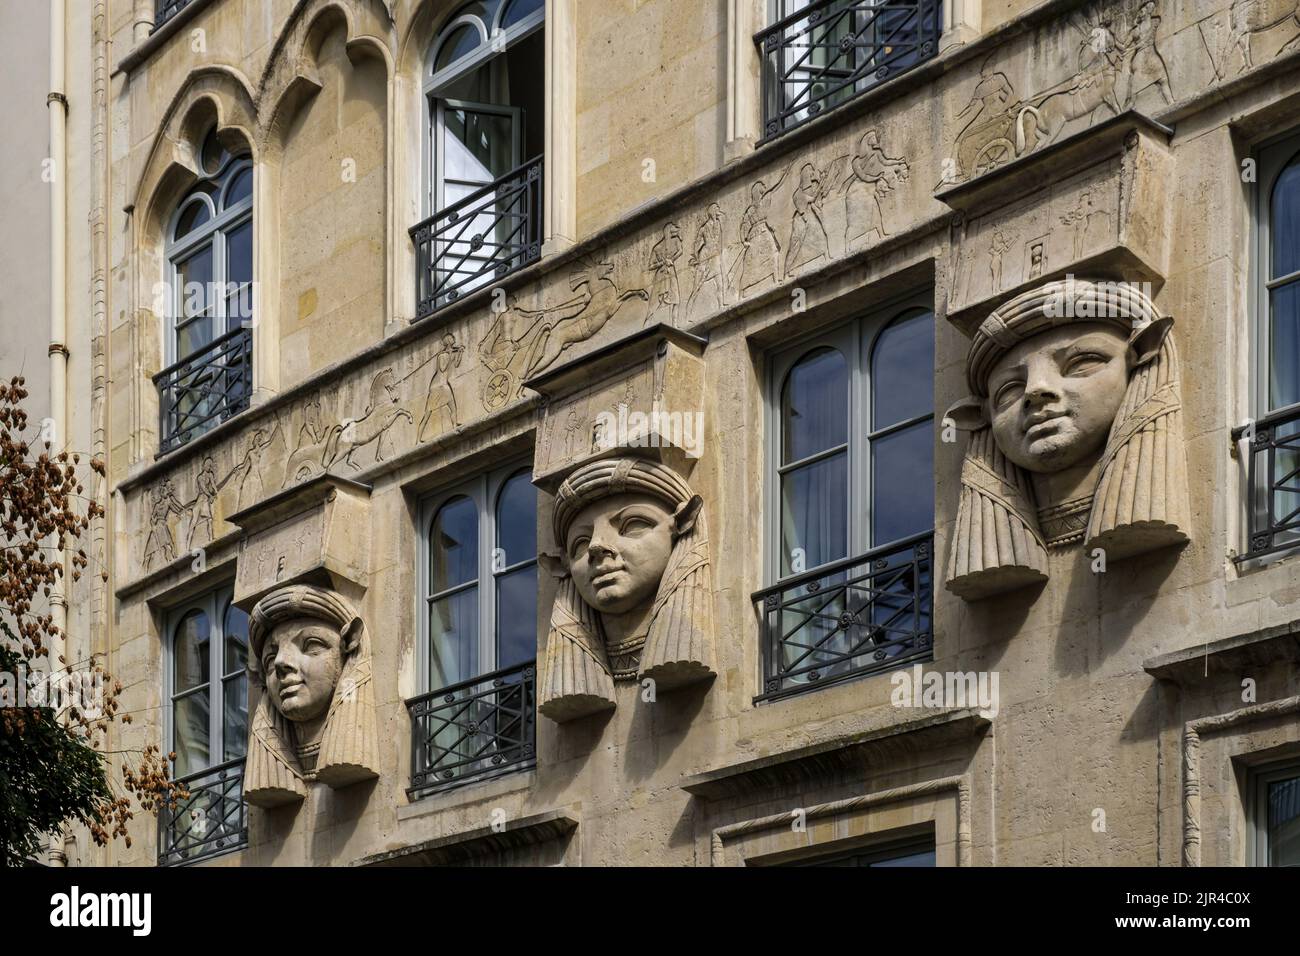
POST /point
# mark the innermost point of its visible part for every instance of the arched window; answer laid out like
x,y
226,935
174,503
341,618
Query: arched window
x,y
207,686
851,502
209,251
485,105
479,632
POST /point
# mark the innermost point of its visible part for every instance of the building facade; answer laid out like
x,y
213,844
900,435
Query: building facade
x,y
688,432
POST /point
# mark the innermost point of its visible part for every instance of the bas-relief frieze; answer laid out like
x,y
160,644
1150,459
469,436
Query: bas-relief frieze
x,y
848,193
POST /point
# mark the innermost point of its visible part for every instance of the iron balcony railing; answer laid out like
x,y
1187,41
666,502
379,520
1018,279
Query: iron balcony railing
x,y
479,239
857,616
205,388
211,820
829,51
165,10
1272,482
475,729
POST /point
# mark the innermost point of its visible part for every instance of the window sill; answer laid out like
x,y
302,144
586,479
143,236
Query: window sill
x,y
159,37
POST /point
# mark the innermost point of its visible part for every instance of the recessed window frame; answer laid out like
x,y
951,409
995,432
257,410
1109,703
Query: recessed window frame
x,y
857,339
1257,816
484,490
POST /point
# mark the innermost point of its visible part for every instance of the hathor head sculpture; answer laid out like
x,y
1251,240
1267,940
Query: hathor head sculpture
x,y
315,716
1077,435
634,598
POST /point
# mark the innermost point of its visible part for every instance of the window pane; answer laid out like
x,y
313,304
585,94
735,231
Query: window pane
x,y
517,616
190,652
814,405
461,42
453,638
902,371
194,280
195,215
239,276
234,715
814,514
478,147
1284,822
1284,342
924,858
236,631
1284,222
516,521
241,187
902,483
453,545
190,733
519,10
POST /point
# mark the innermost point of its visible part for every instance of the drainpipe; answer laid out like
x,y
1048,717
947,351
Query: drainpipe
x,y
57,103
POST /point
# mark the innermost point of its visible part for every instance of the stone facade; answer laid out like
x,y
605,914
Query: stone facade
x,y
683,245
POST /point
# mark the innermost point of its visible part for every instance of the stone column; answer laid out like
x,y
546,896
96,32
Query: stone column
x,y
560,194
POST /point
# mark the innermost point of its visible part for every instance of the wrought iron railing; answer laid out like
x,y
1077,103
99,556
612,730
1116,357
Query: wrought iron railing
x,y
166,9
475,729
853,617
479,239
828,51
1272,482
205,388
211,820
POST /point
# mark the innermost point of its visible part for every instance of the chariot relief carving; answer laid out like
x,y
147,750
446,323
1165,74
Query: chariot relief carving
x,y
1076,435
314,721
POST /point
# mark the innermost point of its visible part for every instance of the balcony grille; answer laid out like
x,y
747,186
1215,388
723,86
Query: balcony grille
x,y
212,820
829,51
1272,483
475,729
165,10
478,240
204,389
854,617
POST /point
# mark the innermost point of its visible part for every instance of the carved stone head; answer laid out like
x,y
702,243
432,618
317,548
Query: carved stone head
x,y
634,600
315,716
1075,415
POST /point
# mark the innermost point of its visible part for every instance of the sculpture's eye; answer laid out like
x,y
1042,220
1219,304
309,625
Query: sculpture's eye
x,y
1085,363
314,645
578,547
635,525
1008,394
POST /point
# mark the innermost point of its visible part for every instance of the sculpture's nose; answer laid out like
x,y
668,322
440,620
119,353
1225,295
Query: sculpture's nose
x,y
1041,386
599,547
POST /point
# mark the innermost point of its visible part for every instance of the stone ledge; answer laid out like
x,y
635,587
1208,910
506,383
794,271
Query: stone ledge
x,y
481,841
850,752
1228,655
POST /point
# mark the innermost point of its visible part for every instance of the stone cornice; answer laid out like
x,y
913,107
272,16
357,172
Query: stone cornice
x,y
1229,655
458,848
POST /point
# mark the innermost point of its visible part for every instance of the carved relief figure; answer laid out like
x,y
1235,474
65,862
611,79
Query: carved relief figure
x,y
760,257
999,244
313,437
1086,221
205,496
247,472
163,503
370,426
440,396
1036,260
634,596
511,345
873,176
808,239
984,140
1145,66
581,317
1252,17
315,714
710,293
1077,435
664,291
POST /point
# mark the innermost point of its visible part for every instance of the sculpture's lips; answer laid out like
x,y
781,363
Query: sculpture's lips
x,y
1044,423
289,688
607,577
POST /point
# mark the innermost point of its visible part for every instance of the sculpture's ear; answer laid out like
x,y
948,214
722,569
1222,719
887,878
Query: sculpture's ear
x,y
968,414
1144,344
685,514
554,563
350,636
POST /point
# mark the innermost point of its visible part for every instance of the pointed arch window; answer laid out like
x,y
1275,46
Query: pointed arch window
x,y
209,307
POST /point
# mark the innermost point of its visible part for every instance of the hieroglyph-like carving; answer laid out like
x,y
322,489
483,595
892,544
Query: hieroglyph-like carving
x,y
1076,414
634,598
315,717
